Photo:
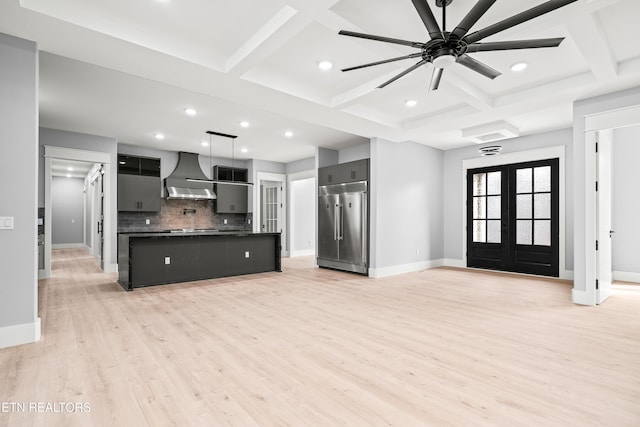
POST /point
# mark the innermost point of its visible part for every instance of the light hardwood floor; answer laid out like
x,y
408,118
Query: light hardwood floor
x,y
315,347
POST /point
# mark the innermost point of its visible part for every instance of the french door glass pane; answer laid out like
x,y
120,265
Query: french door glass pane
x,y
523,206
480,231
479,207
494,183
524,231
542,205
494,232
523,180
494,207
542,234
479,184
542,179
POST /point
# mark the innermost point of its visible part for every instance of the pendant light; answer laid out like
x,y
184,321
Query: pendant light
x,y
217,181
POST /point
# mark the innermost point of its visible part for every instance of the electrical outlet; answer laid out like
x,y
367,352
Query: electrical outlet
x,y
167,260
147,221
246,254
249,221
224,221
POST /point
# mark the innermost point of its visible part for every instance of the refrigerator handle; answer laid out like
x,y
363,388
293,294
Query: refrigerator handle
x,y
341,236
335,222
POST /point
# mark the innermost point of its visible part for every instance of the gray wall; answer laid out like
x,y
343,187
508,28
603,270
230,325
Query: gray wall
x,y
18,165
301,165
67,200
625,209
406,203
302,220
326,157
582,108
357,152
452,201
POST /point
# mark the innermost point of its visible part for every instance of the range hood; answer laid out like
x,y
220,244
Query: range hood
x,y
179,184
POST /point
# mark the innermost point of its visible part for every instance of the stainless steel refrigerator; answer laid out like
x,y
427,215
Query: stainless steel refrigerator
x,y
343,224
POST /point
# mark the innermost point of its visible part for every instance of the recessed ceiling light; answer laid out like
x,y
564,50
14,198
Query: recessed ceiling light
x,y
70,169
158,136
244,124
288,134
244,149
325,65
204,143
68,175
190,112
519,66
411,103
122,163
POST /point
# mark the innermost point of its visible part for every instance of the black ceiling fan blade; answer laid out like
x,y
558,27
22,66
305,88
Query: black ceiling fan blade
x,y
472,17
527,15
381,39
515,44
402,74
478,66
435,79
384,61
427,17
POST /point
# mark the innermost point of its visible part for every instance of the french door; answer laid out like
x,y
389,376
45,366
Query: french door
x,y
512,217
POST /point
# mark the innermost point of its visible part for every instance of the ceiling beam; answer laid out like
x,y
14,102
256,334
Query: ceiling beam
x,y
256,43
590,38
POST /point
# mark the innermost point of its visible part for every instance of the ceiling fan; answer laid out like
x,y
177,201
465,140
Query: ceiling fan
x,y
448,47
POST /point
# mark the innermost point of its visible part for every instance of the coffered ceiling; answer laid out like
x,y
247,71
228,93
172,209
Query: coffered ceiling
x,y
129,69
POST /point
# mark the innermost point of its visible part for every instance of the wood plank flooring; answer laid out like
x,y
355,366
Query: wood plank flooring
x,y
316,347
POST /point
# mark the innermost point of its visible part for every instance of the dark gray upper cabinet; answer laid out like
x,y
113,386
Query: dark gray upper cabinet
x,y
139,184
231,198
344,172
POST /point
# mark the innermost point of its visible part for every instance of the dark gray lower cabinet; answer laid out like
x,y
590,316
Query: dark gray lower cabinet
x,y
149,259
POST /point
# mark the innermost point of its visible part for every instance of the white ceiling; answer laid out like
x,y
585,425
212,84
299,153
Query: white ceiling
x,y
129,69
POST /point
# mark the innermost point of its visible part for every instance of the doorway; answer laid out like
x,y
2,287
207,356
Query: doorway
x,y
597,232
53,154
513,217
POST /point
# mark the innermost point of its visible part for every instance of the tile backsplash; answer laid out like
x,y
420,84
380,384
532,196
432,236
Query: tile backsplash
x,y
175,214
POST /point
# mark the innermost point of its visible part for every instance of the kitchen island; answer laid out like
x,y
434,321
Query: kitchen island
x,y
171,256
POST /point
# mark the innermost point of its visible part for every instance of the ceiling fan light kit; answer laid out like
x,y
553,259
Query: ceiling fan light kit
x,y
491,150
445,48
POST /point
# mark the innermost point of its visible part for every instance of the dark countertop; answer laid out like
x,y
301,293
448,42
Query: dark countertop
x,y
183,233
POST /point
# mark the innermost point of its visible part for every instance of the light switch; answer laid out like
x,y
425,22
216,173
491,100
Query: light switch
x,y
246,254
167,260
6,223
147,221
225,221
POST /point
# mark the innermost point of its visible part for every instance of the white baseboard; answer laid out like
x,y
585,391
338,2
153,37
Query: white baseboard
x,y
404,268
448,262
306,252
20,334
566,274
626,276
110,268
581,297
67,245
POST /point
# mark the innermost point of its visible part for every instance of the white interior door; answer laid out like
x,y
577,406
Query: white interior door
x,y
271,206
603,216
